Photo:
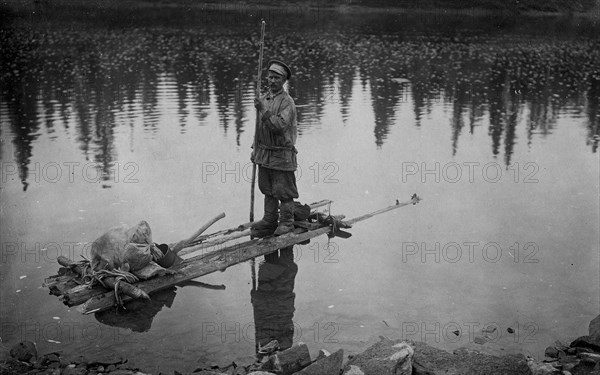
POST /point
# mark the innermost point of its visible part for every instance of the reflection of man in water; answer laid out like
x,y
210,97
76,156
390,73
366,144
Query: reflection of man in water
x,y
273,299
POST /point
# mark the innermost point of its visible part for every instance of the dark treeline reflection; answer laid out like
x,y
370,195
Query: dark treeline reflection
x,y
486,69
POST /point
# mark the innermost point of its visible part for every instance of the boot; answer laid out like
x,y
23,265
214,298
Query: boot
x,y
267,225
286,219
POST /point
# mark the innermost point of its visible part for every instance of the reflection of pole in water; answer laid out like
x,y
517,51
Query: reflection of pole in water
x,y
253,273
273,299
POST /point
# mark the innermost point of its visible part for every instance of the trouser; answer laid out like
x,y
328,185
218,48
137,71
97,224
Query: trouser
x,y
278,184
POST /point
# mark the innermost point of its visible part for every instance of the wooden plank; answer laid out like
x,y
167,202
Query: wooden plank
x,y
205,264
233,233
81,293
213,243
59,284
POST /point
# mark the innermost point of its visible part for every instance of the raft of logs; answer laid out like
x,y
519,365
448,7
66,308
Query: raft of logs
x,y
68,285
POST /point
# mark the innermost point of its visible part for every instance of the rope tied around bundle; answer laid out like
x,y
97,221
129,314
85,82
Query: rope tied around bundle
x,y
116,280
92,278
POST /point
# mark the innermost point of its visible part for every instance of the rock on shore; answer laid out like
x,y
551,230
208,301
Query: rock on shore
x,y
24,360
386,357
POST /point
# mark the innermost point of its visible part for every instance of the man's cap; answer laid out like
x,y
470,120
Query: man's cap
x,y
280,67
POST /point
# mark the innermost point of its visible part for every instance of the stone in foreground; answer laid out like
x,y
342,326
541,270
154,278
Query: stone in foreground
x,y
428,360
386,357
330,365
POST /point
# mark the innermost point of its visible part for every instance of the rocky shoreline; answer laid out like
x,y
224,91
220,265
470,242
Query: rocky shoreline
x,y
388,356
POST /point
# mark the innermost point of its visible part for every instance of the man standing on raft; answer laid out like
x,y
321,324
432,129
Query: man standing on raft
x,y
275,154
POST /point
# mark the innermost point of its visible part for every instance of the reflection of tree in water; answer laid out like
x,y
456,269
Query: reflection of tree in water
x,y
302,90
19,94
466,94
238,111
423,86
593,113
225,74
104,123
23,120
457,122
193,70
149,99
114,71
497,107
192,82
273,299
385,94
83,112
476,104
346,81
182,80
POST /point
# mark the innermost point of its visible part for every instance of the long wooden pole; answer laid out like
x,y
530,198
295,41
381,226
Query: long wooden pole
x,y
413,200
258,84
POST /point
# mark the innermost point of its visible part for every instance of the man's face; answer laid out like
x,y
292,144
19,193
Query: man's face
x,y
275,81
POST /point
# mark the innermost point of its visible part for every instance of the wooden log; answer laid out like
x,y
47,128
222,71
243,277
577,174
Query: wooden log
x,y
78,294
57,285
67,278
235,233
130,290
207,263
243,227
70,295
213,243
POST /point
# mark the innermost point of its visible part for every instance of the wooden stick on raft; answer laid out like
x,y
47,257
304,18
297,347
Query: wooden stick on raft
x,y
177,247
247,225
232,234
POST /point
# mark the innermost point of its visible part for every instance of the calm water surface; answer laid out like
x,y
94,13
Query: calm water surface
x,y
111,118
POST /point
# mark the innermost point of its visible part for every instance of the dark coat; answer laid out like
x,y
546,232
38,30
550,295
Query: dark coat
x,y
276,133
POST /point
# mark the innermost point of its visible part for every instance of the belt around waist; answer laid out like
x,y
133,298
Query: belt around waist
x,y
277,148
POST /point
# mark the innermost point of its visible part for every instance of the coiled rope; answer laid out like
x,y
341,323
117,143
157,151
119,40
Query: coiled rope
x,y
90,278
